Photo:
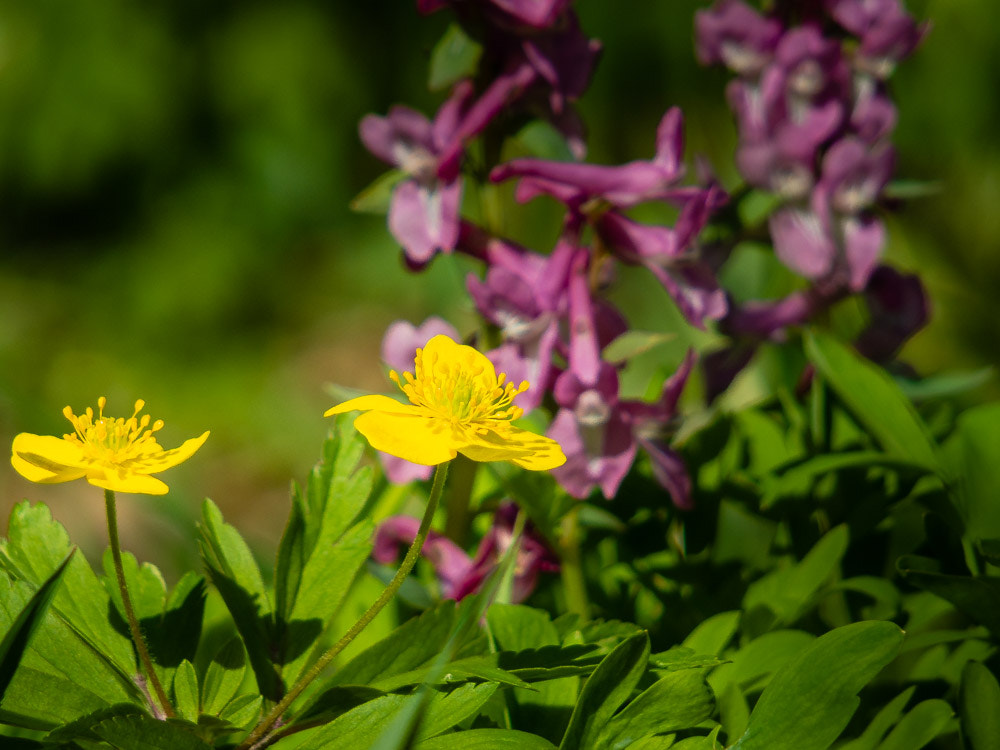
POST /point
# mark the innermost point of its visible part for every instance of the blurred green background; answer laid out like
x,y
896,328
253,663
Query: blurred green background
x,y
174,221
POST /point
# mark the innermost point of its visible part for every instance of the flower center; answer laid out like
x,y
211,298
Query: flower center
x,y
463,392
113,441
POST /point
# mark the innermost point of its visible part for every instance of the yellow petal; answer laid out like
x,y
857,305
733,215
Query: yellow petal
x,y
374,401
442,350
47,452
157,462
127,481
34,473
526,449
420,439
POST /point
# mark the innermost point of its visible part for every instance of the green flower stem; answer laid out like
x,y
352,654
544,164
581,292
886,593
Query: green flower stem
x,y
463,475
570,567
133,621
274,715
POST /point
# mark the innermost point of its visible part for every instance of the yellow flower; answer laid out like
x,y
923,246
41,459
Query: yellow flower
x,y
457,405
116,454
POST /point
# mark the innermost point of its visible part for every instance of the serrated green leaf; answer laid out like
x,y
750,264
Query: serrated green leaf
x,y
455,56
375,198
235,574
608,687
979,707
875,401
223,677
35,546
18,634
680,700
186,698
920,726
810,701
486,739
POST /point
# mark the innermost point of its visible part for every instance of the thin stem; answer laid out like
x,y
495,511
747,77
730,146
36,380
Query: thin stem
x,y
269,721
133,621
570,567
463,475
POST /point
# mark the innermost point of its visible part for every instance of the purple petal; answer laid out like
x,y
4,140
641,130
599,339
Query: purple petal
x,y
802,242
400,471
540,14
734,34
898,308
402,339
584,354
864,239
424,220
450,562
604,465
449,116
670,472
670,142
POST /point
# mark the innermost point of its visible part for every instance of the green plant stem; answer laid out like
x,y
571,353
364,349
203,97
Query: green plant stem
x,y
133,621
570,567
463,475
256,738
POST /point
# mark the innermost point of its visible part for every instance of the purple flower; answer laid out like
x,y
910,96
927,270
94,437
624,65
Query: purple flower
x,y
734,34
538,14
399,347
460,575
887,32
898,307
423,215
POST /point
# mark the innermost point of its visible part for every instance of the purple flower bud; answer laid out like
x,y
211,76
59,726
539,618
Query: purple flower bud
x,y
737,36
887,32
898,308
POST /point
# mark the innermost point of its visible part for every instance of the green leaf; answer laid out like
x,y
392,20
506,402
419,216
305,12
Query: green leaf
x,y
186,699
979,707
946,385
682,657
887,716
486,739
977,597
659,742
243,710
335,701
449,708
788,592
608,687
875,401
974,450
130,728
921,725
375,198
711,636
678,701
17,637
36,546
753,665
233,571
413,644
543,141
633,343
455,56
810,701
223,677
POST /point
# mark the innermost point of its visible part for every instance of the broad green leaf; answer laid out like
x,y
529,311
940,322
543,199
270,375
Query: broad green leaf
x,y
658,742
335,701
375,198
678,701
475,669
788,592
921,725
809,702
682,657
36,545
60,677
455,56
713,635
486,739
223,677
884,720
979,707
977,597
709,742
974,451
753,665
130,728
448,708
186,698
875,401
18,635
235,574
291,557
608,687
411,645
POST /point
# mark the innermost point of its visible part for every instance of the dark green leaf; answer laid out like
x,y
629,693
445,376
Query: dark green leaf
x,y
486,739
455,57
977,597
975,453
17,637
128,728
875,401
235,574
921,725
681,657
887,716
223,677
678,701
608,687
810,701
979,707
946,385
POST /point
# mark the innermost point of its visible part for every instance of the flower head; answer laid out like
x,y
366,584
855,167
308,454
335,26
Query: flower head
x,y
458,404
111,452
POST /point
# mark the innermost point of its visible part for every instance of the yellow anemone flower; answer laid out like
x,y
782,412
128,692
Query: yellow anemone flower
x,y
114,453
457,405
